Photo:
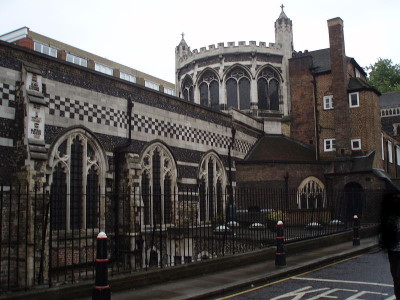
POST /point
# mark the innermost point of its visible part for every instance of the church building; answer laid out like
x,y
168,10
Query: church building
x,y
112,149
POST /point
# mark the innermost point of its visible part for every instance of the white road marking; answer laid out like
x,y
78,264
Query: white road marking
x,y
343,281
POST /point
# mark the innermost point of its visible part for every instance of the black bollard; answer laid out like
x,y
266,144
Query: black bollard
x,y
356,231
280,255
101,289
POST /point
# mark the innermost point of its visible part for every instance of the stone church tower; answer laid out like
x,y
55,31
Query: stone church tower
x,y
249,76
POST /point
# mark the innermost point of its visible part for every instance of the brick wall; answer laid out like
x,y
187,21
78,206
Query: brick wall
x,y
339,86
25,42
326,118
302,95
392,168
272,175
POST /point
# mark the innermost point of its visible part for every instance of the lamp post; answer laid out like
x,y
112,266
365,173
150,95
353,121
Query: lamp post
x,y
230,214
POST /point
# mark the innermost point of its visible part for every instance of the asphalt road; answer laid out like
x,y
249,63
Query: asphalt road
x,y
365,277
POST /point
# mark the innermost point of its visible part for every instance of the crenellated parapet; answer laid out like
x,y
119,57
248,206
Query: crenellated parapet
x,y
229,48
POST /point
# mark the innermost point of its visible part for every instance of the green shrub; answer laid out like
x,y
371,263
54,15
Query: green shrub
x,y
276,215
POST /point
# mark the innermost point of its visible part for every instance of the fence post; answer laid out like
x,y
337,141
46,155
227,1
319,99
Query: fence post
x,y
356,231
101,289
280,255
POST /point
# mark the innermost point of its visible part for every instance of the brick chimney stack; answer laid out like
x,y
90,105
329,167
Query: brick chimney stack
x,y
339,86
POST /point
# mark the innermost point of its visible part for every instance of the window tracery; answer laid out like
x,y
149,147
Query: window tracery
x,y
311,194
187,89
158,183
268,90
76,180
212,183
209,90
238,89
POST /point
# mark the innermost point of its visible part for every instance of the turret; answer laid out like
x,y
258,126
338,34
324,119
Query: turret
x,y
182,49
284,40
284,33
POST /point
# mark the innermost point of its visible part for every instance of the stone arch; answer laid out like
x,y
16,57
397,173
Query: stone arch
x,y
208,85
212,181
203,72
311,194
269,88
76,172
274,71
237,79
158,184
204,255
234,66
187,88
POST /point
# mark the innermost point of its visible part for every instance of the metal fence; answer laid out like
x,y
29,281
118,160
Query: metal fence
x,y
49,238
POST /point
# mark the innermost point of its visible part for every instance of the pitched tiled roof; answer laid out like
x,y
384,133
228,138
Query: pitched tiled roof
x,y
280,148
357,84
390,99
321,60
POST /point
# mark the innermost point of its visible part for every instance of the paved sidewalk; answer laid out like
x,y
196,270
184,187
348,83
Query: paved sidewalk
x,y
207,286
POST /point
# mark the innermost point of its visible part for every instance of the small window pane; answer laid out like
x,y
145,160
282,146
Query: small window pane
x,y
353,98
38,47
244,93
204,94
273,92
356,144
262,94
329,145
53,52
328,102
231,90
214,95
46,50
70,58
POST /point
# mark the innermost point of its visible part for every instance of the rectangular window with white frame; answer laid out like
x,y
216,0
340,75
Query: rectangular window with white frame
x,y
389,146
151,85
77,60
398,155
328,102
127,77
329,145
169,91
45,49
354,100
356,144
103,69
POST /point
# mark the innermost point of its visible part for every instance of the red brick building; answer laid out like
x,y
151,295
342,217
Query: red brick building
x,y
336,139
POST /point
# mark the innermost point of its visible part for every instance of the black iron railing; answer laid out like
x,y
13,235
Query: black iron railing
x,y
49,237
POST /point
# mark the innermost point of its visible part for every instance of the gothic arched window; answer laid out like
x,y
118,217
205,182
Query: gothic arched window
x,y
158,185
187,89
268,90
209,90
212,182
238,89
77,179
311,194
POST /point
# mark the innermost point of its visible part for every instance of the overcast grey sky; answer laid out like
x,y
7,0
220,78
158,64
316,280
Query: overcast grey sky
x,y
143,34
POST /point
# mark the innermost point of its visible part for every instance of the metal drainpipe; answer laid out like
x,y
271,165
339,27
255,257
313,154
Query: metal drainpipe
x,y
315,117
117,159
